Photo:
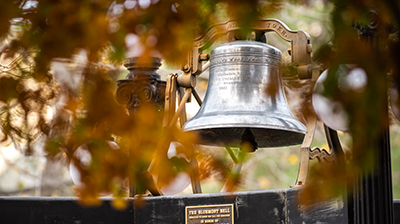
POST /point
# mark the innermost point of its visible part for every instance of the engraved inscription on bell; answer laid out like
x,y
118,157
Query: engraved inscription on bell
x,y
221,214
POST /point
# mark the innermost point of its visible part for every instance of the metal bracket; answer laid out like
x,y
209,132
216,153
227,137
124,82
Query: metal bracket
x,y
171,115
321,154
301,47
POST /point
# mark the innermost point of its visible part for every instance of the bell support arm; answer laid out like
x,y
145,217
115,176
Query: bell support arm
x,y
305,151
181,107
300,49
335,154
171,115
336,149
170,99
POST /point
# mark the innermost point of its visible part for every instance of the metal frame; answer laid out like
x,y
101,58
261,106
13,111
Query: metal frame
x,y
300,51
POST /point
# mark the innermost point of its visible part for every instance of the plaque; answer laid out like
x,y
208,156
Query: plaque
x,y
221,214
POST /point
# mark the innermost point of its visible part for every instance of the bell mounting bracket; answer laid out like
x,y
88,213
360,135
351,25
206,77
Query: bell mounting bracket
x,y
300,49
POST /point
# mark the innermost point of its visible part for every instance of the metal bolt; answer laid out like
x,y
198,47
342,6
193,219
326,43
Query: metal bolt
x,y
204,57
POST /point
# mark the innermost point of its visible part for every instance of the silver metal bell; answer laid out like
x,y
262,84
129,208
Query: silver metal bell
x,y
236,99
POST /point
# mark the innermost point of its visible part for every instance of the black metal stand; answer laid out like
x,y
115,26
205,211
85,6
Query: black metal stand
x,y
371,200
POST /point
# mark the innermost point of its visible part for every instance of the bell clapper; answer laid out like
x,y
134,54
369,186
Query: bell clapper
x,y
248,143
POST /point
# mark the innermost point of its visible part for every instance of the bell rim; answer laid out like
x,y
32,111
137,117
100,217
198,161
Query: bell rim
x,y
294,132
215,126
279,138
253,118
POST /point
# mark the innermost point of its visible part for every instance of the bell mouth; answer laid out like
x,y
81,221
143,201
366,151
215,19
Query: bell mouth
x,y
265,138
271,131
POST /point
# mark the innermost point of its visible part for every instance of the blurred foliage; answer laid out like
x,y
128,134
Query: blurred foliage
x,y
364,33
82,109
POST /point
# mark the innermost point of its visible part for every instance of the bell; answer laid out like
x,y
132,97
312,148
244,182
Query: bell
x,y
237,106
